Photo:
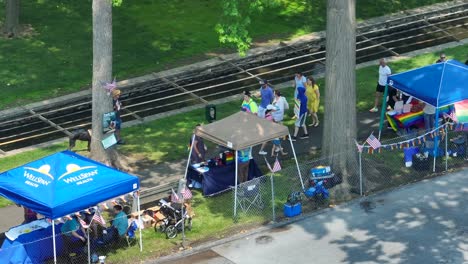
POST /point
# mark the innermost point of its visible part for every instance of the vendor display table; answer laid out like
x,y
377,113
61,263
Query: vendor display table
x,y
220,178
34,246
407,120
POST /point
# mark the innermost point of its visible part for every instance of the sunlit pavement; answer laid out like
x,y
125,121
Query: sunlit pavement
x,y
426,222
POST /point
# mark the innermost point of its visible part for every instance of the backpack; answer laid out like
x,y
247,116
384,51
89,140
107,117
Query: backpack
x,y
294,198
286,105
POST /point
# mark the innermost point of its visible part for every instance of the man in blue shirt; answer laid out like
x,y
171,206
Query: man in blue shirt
x,y
266,95
120,221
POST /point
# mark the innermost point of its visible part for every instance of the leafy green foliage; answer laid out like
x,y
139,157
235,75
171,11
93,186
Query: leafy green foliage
x,y
117,2
233,28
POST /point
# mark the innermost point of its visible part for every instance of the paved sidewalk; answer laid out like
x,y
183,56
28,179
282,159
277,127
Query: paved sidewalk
x,y
420,223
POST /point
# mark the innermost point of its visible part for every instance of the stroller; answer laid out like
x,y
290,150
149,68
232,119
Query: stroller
x,y
172,223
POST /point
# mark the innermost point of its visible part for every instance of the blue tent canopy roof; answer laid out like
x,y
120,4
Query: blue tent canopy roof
x,y
64,183
438,84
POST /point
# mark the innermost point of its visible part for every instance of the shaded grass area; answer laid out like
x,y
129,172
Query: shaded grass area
x,y
150,35
167,139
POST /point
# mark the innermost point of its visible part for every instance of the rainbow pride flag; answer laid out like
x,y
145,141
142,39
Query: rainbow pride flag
x,y
409,119
461,111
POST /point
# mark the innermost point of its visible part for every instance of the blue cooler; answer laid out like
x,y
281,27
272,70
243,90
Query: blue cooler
x,y
291,210
320,171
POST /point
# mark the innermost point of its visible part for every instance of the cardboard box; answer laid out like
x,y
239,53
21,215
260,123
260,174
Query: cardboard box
x,y
148,221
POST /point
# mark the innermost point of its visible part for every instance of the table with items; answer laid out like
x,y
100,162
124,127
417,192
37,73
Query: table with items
x,y
411,119
215,176
30,243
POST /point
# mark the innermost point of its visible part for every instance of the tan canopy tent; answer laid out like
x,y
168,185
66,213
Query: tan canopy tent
x,y
239,131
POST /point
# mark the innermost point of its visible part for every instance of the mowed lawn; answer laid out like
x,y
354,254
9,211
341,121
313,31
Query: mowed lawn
x,y
55,55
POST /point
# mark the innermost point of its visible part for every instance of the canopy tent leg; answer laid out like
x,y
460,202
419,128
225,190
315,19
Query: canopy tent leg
x,y
436,138
384,107
139,228
446,147
189,156
295,159
53,241
360,173
235,186
89,246
273,196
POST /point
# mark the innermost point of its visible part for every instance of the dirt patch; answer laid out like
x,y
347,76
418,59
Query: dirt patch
x,y
24,31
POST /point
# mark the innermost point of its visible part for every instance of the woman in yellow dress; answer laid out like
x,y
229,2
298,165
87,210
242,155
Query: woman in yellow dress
x,y
313,96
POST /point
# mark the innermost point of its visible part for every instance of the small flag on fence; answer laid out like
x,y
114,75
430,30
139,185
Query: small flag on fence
x,y
373,142
451,116
186,193
276,166
82,222
98,217
359,147
174,197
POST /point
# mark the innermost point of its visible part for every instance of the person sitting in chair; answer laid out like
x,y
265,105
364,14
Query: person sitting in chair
x,y
70,234
119,224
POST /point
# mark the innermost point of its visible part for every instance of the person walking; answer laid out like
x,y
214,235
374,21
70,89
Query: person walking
x,y
280,104
313,101
299,81
300,109
384,72
266,97
248,104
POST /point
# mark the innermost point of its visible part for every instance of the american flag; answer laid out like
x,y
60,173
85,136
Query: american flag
x,y
359,147
82,222
373,142
276,166
186,193
451,116
174,197
97,217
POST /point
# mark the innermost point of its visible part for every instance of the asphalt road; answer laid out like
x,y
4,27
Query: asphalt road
x,y
422,223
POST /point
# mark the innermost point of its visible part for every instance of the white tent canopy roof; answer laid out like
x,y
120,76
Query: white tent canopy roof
x,y
241,130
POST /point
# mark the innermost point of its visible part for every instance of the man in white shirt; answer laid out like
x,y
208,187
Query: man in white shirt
x,y
384,72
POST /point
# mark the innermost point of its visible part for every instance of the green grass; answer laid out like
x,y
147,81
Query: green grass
x,y
149,35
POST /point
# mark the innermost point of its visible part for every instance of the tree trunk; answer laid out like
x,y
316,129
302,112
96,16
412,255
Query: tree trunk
x,y
102,72
340,94
12,8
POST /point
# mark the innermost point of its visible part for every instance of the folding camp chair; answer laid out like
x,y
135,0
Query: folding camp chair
x,y
130,235
249,195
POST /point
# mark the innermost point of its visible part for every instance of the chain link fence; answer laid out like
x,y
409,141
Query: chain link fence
x,y
263,200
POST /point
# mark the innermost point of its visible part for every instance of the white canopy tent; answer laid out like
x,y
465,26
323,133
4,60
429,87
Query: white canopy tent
x,y
239,131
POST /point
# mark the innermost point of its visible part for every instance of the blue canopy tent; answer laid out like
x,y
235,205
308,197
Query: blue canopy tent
x,y
439,85
64,183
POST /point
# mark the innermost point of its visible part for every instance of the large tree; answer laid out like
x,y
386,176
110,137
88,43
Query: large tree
x,y
12,9
339,129
102,72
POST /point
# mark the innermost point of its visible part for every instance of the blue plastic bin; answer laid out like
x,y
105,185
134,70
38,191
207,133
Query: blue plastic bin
x,y
291,210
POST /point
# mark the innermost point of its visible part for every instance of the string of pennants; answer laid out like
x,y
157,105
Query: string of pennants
x,y
406,143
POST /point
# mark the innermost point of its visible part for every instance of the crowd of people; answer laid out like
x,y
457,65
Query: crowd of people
x,y
272,106
74,233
